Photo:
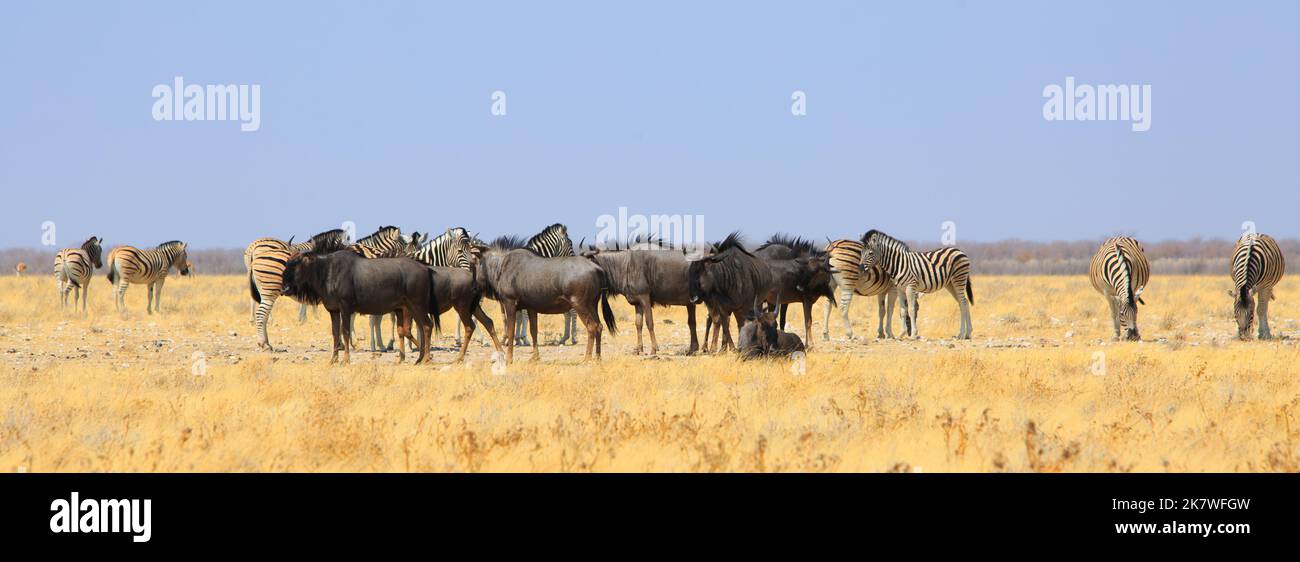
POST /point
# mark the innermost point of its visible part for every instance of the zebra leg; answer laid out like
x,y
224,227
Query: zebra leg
x,y
262,316
573,324
885,315
959,294
148,303
85,296
1114,314
157,296
302,313
1261,313
912,309
120,301
376,333
521,326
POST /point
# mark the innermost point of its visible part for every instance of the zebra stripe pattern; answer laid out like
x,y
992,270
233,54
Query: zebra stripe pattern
x,y
128,264
922,272
73,268
1120,271
1257,266
552,242
265,259
849,278
449,249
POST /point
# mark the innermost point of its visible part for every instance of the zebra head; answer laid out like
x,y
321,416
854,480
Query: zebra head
x,y
95,249
1243,308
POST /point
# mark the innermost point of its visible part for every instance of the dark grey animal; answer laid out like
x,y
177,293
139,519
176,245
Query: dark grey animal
x,y
760,337
730,281
456,288
521,279
346,284
649,275
801,273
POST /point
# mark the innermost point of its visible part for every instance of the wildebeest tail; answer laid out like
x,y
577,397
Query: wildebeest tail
x,y
433,305
607,312
252,289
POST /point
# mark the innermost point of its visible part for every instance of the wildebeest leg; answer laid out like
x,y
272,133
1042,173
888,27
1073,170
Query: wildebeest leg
x,y
640,318
406,331
708,329
486,320
466,317
346,312
650,326
532,331
807,324
690,323
592,323
711,340
336,328
425,324
784,308
508,312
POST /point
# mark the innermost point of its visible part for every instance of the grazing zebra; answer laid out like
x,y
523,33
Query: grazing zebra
x,y
1257,266
20,269
849,278
921,272
265,259
73,268
1119,271
387,242
128,264
552,242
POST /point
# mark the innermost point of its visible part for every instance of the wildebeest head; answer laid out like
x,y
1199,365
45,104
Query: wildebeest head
x,y
304,277
716,270
483,263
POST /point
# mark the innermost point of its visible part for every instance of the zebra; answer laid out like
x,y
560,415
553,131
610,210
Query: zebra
x,y
921,272
553,241
265,258
1257,267
73,268
128,264
20,269
387,242
1120,271
849,278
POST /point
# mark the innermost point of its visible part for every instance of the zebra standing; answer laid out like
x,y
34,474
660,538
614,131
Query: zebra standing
x,y
552,242
1257,266
265,259
1120,271
849,278
387,242
73,268
921,272
128,264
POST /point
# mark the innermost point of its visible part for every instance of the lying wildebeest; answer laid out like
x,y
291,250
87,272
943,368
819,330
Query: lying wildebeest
x,y
648,274
346,284
760,337
729,280
801,272
521,279
456,288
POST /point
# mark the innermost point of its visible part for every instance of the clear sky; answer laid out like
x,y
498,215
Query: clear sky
x,y
917,113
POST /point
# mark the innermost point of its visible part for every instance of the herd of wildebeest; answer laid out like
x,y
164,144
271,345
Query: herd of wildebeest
x,y
415,278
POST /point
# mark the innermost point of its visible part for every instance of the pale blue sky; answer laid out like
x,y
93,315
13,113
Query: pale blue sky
x,y
918,113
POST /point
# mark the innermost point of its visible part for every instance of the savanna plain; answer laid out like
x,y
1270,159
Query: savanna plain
x,y
1041,388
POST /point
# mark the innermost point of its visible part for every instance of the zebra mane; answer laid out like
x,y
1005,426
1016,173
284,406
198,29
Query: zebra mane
x,y
336,234
92,242
557,229
886,239
1128,270
170,244
383,232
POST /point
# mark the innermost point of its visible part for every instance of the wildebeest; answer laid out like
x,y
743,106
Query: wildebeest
x,y
760,337
729,280
801,273
521,279
346,283
456,288
648,274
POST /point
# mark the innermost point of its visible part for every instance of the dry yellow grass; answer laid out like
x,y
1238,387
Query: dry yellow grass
x,y
106,393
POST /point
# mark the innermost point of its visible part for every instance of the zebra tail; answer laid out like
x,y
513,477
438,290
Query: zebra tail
x,y
112,273
970,291
433,306
608,313
252,289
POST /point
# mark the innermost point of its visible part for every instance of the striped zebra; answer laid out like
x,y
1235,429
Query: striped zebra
x,y
921,272
128,264
1257,266
1120,271
849,279
265,258
553,241
73,268
387,242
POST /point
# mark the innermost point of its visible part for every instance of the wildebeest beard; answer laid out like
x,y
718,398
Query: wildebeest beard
x,y
304,279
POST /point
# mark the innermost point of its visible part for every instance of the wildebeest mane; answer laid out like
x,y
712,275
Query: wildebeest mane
x,y
508,242
799,246
733,240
